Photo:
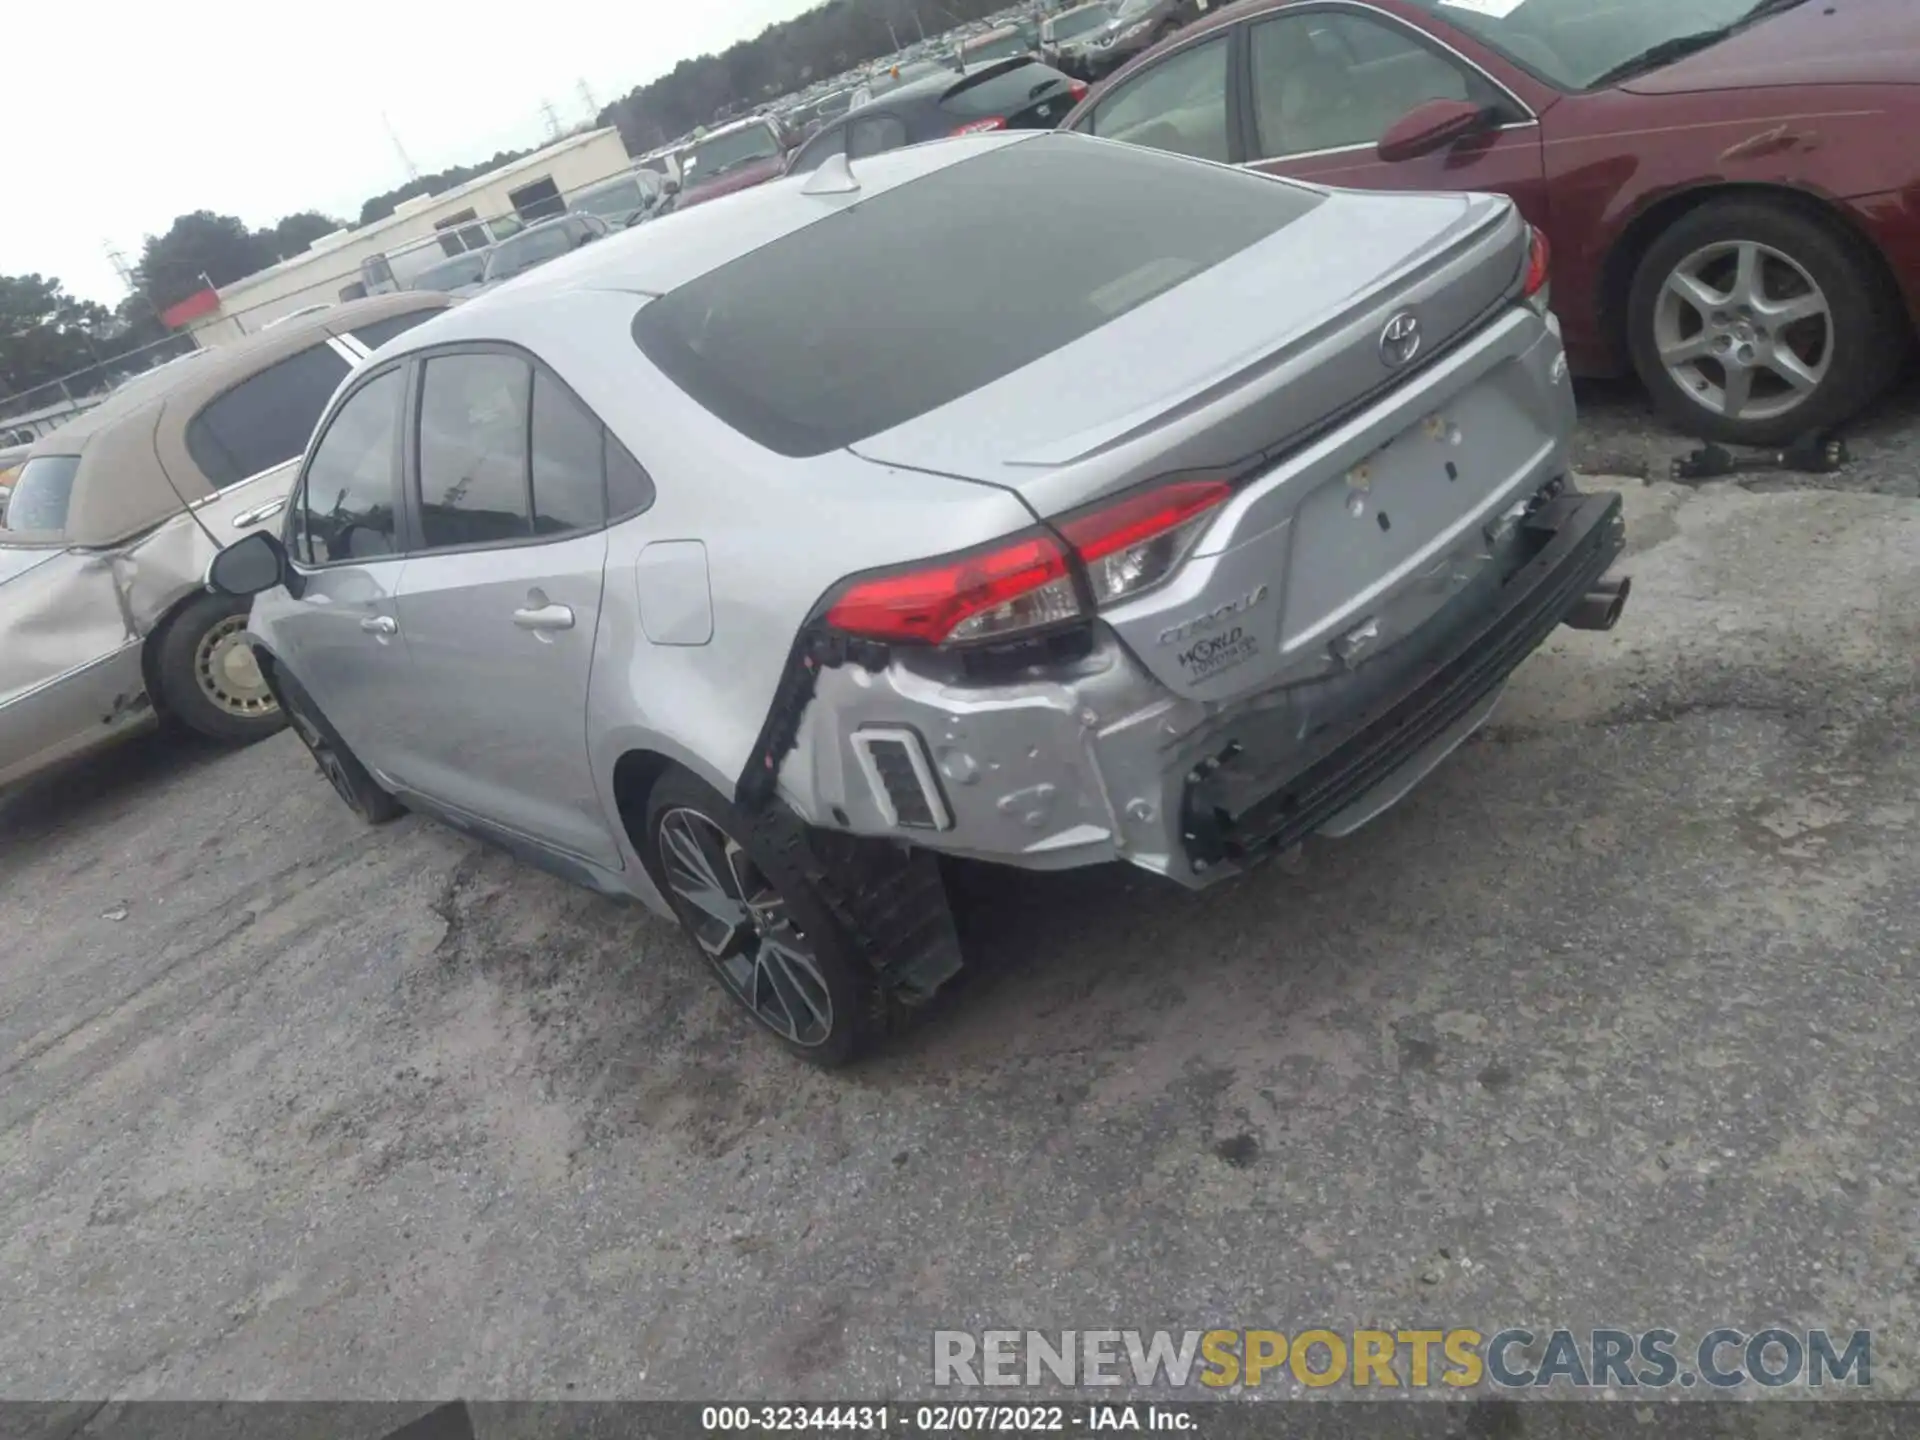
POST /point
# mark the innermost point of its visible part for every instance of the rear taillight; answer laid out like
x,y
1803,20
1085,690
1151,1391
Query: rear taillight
x,y
1016,585
1077,90
980,127
1135,543
1537,289
1027,583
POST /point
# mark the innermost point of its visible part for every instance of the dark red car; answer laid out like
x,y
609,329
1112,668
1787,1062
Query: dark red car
x,y
734,157
1731,188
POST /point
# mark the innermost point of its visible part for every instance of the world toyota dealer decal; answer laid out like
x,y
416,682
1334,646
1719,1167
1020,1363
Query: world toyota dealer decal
x,y
1206,650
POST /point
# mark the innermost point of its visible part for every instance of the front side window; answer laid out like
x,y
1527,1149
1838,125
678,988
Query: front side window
x,y
266,420
473,450
42,493
1179,105
1335,81
348,504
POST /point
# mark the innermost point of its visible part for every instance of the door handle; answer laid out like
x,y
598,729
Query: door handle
x,y
254,517
544,617
380,625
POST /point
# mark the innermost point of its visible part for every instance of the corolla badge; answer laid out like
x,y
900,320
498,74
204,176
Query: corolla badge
x,y
1400,341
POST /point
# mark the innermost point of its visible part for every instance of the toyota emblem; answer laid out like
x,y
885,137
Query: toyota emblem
x,y
1400,341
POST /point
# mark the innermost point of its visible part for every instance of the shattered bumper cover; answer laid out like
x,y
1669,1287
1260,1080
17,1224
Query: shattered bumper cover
x,y
1092,759
1246,798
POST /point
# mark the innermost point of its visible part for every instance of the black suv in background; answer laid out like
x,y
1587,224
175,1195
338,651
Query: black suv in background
x,y
1015,94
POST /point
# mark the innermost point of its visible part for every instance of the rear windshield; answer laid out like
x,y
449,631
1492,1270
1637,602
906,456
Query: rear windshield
x,y
1003,93
1056,240
41,493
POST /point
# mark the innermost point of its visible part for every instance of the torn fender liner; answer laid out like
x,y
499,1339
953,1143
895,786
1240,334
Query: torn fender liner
x,y
813,647
890,899
780,732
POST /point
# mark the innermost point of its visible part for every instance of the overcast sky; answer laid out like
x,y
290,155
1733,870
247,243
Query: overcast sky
x,y
259,111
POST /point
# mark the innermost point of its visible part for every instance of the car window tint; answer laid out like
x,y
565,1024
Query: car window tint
x,y
1180,105
473,450
1057,244
266,420
629,488
874,134
826,143
348,501
376,333
42,493
1325,81
569,486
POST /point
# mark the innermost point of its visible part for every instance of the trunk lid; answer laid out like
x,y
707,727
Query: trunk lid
x,y
1233,365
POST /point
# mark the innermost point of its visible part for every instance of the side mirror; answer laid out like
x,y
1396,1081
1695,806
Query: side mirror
x,y
248,566
1431,127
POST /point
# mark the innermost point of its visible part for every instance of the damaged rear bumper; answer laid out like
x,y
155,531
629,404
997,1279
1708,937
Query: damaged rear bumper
x,y
1093,759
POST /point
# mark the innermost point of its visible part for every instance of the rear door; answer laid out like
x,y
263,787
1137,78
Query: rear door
x,y
499,606
1323,85
340,634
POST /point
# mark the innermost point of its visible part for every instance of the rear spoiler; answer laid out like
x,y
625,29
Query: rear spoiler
x,y
987,72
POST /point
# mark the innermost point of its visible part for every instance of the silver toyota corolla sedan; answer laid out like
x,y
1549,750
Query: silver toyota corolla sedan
x,y
954,503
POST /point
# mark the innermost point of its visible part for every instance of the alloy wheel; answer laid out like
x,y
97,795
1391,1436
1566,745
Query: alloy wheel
x,y
1744,330
228,675
742,922
326,757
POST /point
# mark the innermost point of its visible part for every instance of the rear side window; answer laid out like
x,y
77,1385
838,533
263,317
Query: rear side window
x,y
1003,93
826,143
348,504
42,491
473,450
569,462
376,333
874,134
266,420
629,488
1056,244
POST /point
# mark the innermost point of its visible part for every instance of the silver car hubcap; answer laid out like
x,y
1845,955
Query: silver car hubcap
x,y
227,673
1744,330
741,922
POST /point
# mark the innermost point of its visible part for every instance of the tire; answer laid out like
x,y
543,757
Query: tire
x,y
1692,349
207,677
337,764
812,989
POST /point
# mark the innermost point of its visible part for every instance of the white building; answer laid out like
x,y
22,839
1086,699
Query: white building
x,y
529,189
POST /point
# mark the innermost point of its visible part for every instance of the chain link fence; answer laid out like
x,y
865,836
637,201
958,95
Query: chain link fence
x,y
45,406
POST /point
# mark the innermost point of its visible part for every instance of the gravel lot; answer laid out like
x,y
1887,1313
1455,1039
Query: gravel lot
x,y
1613,1022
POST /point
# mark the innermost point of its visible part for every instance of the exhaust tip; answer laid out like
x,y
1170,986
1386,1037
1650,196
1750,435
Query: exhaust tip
x,y
1601,607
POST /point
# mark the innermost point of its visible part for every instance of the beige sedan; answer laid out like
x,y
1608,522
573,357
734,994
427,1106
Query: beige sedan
x,y
105,623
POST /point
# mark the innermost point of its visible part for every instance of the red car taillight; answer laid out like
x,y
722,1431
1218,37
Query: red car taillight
x,y
980,127
1078,90
1019,584
1135,543
1027,583
1537,288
